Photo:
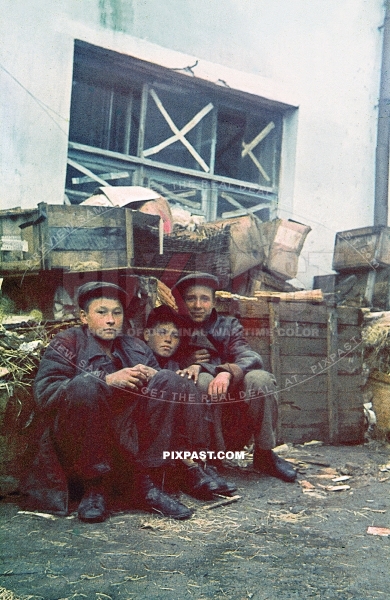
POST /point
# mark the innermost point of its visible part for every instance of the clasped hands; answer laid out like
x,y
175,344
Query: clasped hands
x,y
132,378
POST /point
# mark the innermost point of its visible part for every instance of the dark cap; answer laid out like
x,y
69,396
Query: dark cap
x,y
100,289
205,279
163,314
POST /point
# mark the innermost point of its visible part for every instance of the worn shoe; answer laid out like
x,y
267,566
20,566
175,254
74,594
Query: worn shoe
x,y
195,482
269,463
224,487
92,508
152,499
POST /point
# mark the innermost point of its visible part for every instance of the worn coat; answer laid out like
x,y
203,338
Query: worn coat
x,y
223,336
72,356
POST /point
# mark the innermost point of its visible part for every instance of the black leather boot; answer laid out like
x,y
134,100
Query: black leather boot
x,y
147,496
195,482
225,488
269,463
92,508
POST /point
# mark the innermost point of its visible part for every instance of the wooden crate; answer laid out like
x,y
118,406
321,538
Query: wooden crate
x,y
16,243
315,353
364,248
87,237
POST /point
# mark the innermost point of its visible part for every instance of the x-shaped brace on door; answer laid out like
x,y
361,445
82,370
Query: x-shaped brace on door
x,y
179,134
249,147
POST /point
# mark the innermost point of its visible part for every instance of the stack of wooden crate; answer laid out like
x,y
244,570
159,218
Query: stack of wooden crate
x,y
315,353
362,261
81,237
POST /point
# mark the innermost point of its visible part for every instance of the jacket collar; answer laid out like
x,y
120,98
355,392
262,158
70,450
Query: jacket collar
x,y
206,325
94,349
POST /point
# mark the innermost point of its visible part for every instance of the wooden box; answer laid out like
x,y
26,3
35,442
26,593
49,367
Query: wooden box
x,y
315,353
16,243
367,247
92,237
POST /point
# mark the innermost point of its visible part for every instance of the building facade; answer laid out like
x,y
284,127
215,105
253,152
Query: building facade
x,y
223,107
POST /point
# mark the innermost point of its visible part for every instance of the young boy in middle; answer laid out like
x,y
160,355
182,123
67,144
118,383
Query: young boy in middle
x,y
162,334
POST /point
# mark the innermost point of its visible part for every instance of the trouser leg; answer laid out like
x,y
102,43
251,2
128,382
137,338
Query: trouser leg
x,y
169,417
260,396
251,409
82,432
213,413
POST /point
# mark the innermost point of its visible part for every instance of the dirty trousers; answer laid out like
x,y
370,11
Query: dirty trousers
x,y
96,425
250,409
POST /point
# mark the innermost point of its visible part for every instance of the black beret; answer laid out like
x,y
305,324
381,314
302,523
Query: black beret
x,y
205,279
100,289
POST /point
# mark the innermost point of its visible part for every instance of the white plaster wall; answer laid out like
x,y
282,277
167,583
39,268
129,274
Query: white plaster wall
x,y
322,54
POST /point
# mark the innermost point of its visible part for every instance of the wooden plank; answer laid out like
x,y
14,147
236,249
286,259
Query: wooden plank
x,y
175,197
303,346
21,266
254,327
300,399
314,365
138,160
85,216
301,434
129,237
296,418
179,134
96,259
263,133
369,291
274,342
260,345
87,172
333,420
63,239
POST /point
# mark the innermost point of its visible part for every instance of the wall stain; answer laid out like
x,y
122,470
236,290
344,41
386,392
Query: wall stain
x,y
116,14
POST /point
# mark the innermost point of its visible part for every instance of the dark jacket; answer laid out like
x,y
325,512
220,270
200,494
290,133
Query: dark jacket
x,y
76,353
73,353
224,338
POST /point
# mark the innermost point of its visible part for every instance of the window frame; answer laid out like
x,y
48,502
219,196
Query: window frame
x,y
144,171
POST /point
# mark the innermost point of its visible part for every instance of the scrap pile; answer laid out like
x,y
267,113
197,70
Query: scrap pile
x,y
376,340
133,227
362,260
22,342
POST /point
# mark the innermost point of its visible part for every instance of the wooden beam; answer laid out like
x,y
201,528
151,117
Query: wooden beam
x,y
274,327
333,412
145,162
179,134
249,147
105,176
87,172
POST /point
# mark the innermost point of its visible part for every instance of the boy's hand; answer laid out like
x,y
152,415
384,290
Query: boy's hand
x,y
131,378
220,384
199,356
191,372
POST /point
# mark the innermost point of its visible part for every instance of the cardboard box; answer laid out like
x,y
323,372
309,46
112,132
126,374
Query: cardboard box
x,y
285,243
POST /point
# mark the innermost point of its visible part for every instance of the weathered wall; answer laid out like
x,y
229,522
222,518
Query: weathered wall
x,y
325,54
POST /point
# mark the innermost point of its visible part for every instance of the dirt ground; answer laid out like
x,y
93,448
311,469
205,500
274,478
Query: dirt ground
x,y
278,541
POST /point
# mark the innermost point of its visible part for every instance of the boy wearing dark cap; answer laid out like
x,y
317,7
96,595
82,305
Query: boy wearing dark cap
x,y
107,413
162,333
225,367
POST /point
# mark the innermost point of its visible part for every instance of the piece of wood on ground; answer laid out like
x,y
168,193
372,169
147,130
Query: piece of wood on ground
x,y
223,502
338,488
384,531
